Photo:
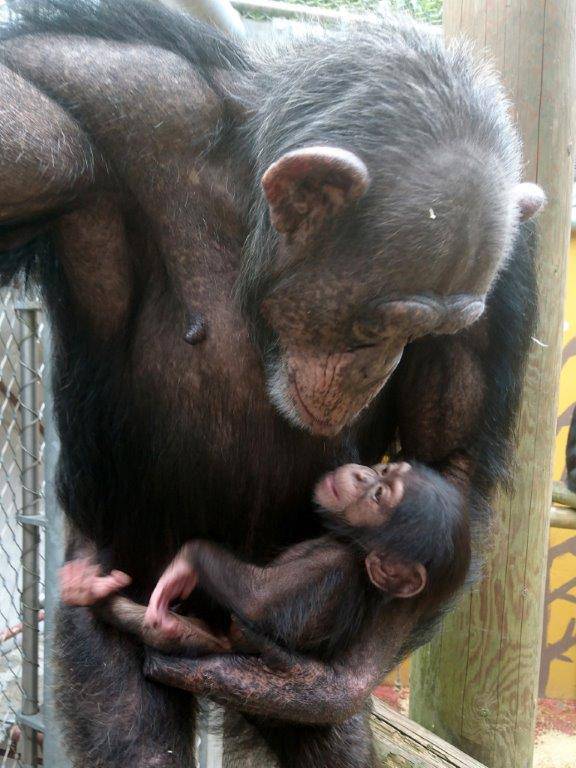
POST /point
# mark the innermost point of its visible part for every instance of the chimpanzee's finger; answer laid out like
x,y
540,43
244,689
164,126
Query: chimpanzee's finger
x,y
105,586
157,607
171,586
121,578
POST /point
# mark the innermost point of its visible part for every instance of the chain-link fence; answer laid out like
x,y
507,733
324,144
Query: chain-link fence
x,y
21,527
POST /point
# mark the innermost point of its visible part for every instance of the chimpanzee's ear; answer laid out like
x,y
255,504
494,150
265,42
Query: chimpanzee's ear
x,y
396,577
529,199
307,185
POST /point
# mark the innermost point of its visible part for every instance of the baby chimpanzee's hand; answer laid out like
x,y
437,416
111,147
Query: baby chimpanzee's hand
x,y
82,582
176,583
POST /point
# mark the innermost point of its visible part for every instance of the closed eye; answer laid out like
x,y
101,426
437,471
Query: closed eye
x,y
356,347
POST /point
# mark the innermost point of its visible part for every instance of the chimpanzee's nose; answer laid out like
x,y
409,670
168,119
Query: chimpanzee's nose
x,y
361,477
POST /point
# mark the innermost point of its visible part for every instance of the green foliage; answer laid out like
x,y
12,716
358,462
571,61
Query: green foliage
x,y
425,10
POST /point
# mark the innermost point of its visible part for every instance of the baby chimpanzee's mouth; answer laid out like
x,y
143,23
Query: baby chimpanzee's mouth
x,y
333,488
327,494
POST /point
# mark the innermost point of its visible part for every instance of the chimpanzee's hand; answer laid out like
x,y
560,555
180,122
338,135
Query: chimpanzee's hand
x,y
307,692
82,582
176,583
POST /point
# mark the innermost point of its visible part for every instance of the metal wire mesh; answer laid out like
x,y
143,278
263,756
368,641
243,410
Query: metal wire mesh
x,y
21,550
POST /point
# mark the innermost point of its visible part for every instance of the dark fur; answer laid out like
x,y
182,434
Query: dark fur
x,y
147,465
430,526
397,138
331,599
144,22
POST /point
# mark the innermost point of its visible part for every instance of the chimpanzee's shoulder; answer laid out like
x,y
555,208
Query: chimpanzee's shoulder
x,y
131,21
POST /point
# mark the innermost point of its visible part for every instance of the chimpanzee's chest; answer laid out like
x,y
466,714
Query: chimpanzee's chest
x,y
225,463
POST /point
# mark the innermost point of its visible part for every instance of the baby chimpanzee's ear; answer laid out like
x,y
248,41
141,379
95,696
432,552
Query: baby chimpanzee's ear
x,y
396,577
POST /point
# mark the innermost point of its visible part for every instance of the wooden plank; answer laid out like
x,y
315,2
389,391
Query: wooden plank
x,y
476,684
402,743
398,741
563,516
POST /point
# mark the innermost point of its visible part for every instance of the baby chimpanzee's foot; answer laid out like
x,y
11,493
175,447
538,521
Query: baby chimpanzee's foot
x,y
82,582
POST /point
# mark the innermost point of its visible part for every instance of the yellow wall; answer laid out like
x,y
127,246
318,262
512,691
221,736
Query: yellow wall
x,y
560,636
560,620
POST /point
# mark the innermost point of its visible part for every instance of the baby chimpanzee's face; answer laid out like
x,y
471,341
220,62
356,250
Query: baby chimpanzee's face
x,y
363,495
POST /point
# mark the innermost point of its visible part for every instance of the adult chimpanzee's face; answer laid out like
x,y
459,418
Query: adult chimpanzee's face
x,y
344,302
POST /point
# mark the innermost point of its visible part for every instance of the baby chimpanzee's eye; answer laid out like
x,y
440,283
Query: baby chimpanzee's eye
x,y
378,493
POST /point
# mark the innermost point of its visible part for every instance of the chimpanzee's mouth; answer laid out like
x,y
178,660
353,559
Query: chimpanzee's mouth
x,y
333,488
339,410
327,494
313,423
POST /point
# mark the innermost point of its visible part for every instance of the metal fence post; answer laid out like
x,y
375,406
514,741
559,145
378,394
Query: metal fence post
x,y
210,734
53,751
29,518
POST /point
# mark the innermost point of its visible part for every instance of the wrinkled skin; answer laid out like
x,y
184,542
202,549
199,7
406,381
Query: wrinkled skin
x,y
325,391
219,345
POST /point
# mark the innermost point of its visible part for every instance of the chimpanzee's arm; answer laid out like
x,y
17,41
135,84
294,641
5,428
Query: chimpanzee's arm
x,y
252,593
441,392
307,692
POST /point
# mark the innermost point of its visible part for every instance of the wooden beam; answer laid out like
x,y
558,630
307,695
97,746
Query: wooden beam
x,y
402,743
398,742
218,13
563,511
476,683
562,517
561,494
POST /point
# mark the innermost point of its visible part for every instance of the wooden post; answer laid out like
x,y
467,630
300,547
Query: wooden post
x,y
476,684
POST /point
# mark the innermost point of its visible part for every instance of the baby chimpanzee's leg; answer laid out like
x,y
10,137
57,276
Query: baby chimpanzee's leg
x,y
82,584
254,594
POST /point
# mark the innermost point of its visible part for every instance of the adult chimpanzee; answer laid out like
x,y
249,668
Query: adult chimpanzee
x,y
236,248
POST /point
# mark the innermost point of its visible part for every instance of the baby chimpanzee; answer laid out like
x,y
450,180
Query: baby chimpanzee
x,y
394,531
